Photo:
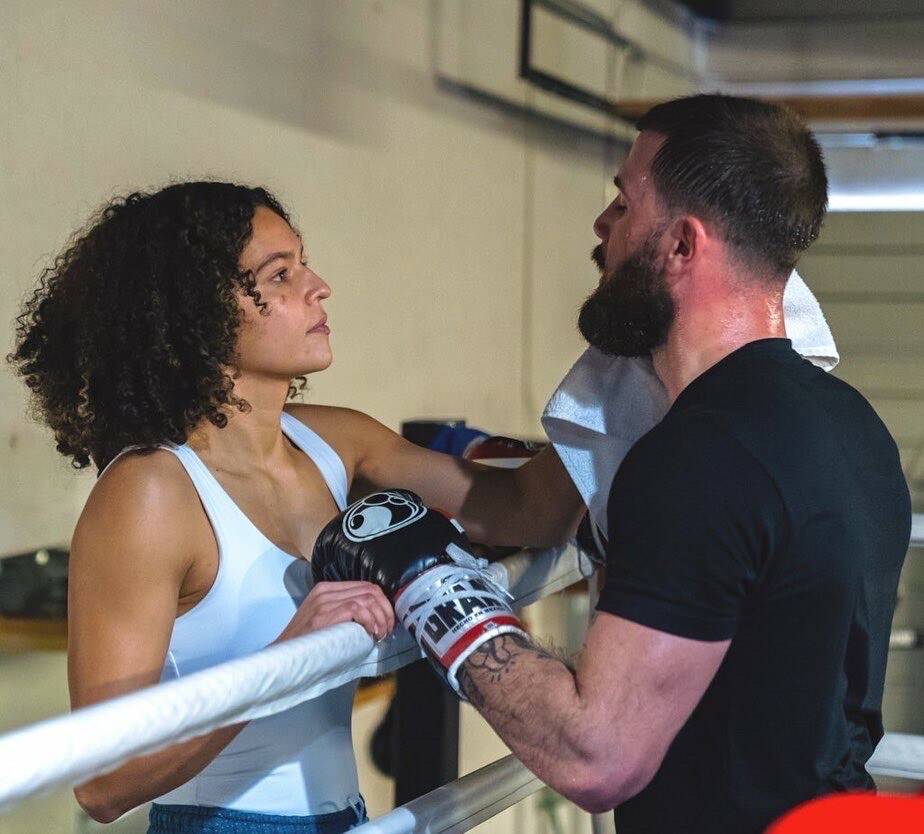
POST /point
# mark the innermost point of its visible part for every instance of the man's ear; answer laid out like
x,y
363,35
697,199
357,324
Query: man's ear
x,y
686,237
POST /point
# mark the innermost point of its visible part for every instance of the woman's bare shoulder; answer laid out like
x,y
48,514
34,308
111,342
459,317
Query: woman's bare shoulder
x,y
351,433
331,417
138,538
151,477
143,500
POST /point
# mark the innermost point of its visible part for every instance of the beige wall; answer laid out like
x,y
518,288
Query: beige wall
x,y
455,235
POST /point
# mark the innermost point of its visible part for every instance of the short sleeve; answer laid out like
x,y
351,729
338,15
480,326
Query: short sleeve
x,y
693,518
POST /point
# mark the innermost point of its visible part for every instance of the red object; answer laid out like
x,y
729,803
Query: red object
x,y
507,452
854,813
469,637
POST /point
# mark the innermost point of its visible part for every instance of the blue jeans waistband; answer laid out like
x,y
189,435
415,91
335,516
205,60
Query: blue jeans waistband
x,y
203,819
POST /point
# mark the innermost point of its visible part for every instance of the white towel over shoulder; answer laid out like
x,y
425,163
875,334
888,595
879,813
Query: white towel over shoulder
x,y
605,404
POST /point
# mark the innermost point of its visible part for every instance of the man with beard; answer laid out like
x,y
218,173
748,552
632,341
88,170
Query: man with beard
x,y
631,315
756,535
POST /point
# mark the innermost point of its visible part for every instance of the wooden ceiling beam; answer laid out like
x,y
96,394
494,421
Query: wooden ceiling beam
x,y
889,109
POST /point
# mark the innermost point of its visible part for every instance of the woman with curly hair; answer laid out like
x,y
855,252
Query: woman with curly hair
x,y
162,347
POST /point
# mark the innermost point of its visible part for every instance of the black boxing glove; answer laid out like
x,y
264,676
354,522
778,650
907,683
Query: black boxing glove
x,y
420,559
388,538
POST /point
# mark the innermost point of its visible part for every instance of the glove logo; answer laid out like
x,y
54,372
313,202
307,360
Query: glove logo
x,y
379,514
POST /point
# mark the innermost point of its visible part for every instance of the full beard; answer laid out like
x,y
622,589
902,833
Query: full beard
x,y
631,312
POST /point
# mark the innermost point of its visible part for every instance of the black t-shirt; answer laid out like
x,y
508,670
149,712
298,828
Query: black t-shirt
x,y
769,508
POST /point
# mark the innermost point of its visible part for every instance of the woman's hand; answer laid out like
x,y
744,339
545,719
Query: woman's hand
x,y
329,603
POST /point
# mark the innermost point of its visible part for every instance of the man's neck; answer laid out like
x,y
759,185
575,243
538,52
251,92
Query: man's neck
x,y
701,338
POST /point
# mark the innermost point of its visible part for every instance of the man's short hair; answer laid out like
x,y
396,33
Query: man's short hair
x,y
752,168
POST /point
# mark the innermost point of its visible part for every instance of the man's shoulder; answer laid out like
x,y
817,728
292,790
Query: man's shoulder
x,y
695,443
786,388
798,410
699,427
841,399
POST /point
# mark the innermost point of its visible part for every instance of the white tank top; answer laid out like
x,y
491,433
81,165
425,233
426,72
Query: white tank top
x,y
298,762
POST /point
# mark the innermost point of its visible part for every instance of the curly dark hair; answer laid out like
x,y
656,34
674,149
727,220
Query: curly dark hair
x,y
130,335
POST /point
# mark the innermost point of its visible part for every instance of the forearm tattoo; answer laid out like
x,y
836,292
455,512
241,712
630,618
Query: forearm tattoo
x,y
497,659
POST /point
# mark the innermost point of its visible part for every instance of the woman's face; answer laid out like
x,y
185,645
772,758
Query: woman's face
x,y
291,337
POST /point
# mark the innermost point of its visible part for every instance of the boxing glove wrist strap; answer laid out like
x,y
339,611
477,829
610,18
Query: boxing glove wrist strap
x,y
451,610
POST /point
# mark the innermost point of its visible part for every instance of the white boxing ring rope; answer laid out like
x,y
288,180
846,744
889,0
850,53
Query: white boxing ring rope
x,y
460,805
72,748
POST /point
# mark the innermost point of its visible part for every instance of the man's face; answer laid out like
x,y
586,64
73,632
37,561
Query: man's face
x,y
627,221
631,311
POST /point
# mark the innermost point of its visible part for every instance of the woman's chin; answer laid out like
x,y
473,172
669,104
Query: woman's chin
x,y
318,363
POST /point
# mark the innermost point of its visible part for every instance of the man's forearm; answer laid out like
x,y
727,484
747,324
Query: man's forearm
x,y
536,505
530,697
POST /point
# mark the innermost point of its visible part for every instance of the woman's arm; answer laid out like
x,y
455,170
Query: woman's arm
x,y
536,505
135,544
